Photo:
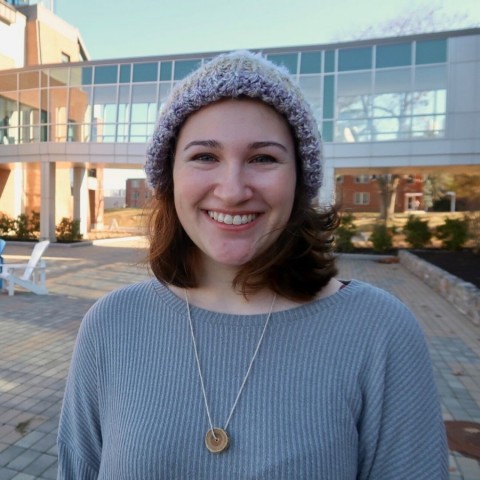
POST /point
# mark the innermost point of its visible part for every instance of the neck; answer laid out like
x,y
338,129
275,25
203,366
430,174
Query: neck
x,y
215,292
223,298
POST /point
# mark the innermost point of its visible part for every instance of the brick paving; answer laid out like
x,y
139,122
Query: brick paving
x,y
37,334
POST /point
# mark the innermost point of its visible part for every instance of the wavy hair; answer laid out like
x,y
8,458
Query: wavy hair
x,y
297,265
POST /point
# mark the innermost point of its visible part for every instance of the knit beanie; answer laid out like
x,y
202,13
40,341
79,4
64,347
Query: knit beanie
x,y
229,76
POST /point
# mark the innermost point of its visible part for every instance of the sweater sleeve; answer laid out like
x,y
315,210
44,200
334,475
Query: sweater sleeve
x,y
402,434
79,437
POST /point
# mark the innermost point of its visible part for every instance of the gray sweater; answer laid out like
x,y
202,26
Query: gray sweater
x,y
341,389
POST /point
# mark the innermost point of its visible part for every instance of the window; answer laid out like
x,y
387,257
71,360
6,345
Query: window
x,y
166,71
311,86
65,57
105,74
431,51
287,60
354,102
143,112
311,62
124,111
105,112
361,198
125,73
355,59
145,72
8,82
394,55
185,67
330,61
58,77
29,80
328,96
362,179
339,178
327,131
87,75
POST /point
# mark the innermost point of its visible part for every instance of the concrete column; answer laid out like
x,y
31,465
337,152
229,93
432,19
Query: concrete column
x,y
47,201
18,197
80,198
327,191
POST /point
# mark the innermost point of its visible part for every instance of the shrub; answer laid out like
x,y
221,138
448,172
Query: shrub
x,y
381,238
344,233
68,230
453,233
6,225
417,232
35,222
474,230
26,227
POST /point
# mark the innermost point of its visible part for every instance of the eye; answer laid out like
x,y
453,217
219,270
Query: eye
x,y
204,158
263,159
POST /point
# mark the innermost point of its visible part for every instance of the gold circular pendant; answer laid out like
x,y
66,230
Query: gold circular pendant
x,y
217,440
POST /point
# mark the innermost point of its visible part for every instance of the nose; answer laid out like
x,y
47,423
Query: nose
x,y
233,185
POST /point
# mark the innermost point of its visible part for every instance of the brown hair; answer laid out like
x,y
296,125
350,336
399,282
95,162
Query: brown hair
x,y
297,266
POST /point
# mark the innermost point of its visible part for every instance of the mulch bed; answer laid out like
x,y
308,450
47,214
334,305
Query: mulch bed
x,y
463,264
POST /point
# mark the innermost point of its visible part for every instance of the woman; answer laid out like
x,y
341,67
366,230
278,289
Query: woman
x,y
244,357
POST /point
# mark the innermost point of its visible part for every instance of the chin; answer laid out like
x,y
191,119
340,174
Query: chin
x,y
233,261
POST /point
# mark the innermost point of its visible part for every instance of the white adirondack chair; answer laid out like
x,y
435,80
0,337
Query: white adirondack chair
x,y
34,272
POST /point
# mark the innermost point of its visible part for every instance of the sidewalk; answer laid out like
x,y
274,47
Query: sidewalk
x,y
37,335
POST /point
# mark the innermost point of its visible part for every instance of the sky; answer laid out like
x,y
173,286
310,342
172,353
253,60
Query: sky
x,y
122,29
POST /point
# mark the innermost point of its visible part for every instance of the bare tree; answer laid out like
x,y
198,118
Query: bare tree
x,y
387,184
421,19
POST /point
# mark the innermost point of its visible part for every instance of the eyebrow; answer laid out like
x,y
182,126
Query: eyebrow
x,y
216,144
256,145
203,143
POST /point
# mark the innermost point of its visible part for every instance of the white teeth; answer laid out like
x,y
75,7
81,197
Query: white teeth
x,y
231,219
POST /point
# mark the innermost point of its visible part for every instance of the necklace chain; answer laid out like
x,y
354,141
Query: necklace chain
x,y
197,358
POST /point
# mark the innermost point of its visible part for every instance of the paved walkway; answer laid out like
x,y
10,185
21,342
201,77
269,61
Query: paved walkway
x,y
37,335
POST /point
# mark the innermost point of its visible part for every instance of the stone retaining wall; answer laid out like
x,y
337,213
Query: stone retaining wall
x,y
463,295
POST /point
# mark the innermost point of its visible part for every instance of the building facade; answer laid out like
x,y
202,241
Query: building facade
x,y
137,193
361,193
405,105
32,35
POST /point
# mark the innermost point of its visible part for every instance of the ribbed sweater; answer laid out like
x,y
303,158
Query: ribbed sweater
x,y
341,389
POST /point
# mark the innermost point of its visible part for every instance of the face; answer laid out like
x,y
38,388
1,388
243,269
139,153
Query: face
x,y
234,179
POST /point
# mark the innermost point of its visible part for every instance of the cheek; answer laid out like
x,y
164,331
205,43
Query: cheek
x,y
184,184
189,189
284,192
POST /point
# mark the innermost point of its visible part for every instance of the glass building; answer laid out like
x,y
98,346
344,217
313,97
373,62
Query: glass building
x,y
396,103
364,93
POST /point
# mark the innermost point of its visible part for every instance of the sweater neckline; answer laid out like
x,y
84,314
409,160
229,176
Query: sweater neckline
x,y
300,312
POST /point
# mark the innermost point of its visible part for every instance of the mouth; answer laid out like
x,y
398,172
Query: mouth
x,y
232,219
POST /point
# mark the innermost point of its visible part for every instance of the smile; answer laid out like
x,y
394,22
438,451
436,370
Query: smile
x,y
232,219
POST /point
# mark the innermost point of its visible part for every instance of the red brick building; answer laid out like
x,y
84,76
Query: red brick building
x,y
137,193
353,193
361,193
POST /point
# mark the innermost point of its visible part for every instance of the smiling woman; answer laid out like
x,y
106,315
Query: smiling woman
x,y
253,151
244,357
234,194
